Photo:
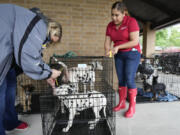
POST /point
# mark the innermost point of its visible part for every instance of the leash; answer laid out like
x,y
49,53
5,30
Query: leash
x,y
56,81
110,54
44,45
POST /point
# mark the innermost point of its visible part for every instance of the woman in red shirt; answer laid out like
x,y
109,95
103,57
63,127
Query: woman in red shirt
x,y
123,31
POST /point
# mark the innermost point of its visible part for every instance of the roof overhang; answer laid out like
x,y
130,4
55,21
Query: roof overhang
x,y
159,13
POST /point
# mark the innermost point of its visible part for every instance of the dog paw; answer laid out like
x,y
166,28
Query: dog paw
x,y
78,113
91,122
92,126
65,130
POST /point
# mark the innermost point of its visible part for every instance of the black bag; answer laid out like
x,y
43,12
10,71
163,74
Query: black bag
x,y
18,70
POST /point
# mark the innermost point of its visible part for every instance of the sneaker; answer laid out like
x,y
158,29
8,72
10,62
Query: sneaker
x,y
23,126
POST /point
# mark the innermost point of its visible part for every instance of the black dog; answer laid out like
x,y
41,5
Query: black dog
x,y
158,88
145,68
146,86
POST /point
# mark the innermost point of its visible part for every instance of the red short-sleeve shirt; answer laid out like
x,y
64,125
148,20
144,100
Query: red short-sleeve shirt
x,y
122,35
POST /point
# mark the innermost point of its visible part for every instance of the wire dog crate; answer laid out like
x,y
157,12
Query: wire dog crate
x,y
161,71
170,74
28,93
84,104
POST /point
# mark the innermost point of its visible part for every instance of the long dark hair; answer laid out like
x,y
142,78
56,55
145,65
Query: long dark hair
x,y
120,6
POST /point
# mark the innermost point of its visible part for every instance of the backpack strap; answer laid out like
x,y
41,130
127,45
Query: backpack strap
x,y
25,36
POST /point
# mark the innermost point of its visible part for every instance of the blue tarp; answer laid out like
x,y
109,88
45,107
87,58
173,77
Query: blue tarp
x,y
168,98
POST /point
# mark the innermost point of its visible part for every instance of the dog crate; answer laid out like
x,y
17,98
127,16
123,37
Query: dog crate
x,y
28,93
170,74
86,111
164,67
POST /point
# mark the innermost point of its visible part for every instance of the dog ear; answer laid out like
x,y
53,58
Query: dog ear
x,y
94,65
23,86
70,91
156,77
32,87
72,85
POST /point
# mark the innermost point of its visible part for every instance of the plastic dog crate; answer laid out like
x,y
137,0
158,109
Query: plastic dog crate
x,y
82,111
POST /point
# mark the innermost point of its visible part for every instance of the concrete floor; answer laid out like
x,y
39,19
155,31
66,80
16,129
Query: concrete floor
x,y
34,122
150,119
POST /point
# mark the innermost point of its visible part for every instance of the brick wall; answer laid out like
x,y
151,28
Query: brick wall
x,y
83,21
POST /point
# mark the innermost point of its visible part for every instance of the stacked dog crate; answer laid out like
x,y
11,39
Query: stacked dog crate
x,y
28,93
83,104
159,76
170,74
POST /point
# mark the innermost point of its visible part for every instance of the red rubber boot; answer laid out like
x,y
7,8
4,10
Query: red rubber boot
x,y
122,99
132,103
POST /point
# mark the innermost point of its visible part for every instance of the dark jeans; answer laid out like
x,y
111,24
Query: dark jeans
x,y
8,115
126,66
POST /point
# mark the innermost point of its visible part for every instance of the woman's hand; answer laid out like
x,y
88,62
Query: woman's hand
x,y
52,79
107,53
115,50
51,82
55,73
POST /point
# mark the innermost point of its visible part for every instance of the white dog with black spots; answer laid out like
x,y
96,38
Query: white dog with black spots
x,y
78,102
85,75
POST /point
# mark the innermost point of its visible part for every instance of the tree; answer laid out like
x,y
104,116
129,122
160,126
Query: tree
x,y
168,37
174,38
162,38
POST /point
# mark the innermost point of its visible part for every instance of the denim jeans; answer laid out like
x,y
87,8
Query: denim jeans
x,y
8,115
126,64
